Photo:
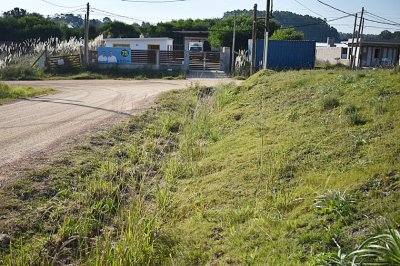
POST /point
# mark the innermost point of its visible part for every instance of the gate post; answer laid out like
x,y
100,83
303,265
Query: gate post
x,y
224,59
204,60
186,60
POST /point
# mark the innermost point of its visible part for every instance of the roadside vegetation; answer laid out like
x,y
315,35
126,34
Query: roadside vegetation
x,y
288,168
19,72
10,93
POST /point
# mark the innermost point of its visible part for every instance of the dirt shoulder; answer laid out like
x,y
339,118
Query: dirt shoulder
x,y
34,130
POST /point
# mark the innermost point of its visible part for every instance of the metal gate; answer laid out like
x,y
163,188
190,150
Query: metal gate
x,y
204,61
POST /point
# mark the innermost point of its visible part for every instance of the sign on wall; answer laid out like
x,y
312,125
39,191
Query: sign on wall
x,y
114,55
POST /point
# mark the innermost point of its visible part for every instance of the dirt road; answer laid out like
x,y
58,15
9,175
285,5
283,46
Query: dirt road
x,y
33,130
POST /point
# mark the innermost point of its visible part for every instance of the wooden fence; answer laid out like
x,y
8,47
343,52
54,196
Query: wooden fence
x,y
172,57
64,62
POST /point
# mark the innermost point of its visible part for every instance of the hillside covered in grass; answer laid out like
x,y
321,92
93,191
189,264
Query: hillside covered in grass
x,y
287,168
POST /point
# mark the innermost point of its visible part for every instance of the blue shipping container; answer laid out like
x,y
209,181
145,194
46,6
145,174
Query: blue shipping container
x,y
285,54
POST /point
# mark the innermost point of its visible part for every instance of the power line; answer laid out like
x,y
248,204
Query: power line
x,y
337,9
116,15
308,8
383,28
370,20
50,3
154,2
374,15
315,24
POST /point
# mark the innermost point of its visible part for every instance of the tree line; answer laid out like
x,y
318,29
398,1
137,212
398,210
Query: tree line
x,y
18,25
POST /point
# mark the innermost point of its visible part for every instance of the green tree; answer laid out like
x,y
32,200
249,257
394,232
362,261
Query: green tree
x,y
16,13
386,35
287,34
221,34
117,29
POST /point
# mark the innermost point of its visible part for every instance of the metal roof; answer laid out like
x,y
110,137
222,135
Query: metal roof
x,y
139,39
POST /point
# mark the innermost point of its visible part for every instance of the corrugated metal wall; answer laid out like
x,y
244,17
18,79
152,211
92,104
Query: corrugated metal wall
x,y
286,54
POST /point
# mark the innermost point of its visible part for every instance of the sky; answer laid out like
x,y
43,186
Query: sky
x,y
155,12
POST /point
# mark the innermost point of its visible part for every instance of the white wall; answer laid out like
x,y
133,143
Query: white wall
x,y
330,54
142,44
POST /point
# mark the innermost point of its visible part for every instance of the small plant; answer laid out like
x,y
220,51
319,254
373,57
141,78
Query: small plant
x,y
293,117
381,249
356,120
330,103
351,109
334,201
339,259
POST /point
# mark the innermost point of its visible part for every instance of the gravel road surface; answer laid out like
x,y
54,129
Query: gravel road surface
x,y
34,130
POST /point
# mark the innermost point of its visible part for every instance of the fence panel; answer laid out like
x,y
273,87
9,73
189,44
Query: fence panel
x,y
172,57
65,62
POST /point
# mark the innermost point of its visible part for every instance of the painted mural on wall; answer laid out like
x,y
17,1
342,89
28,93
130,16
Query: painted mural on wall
x,y
114,55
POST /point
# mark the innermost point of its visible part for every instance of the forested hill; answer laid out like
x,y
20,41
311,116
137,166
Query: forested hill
x,y
313,28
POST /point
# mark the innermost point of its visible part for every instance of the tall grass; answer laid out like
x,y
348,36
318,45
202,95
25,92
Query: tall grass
x,y
9,93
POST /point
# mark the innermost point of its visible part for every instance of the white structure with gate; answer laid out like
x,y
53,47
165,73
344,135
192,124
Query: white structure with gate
x,y
160,44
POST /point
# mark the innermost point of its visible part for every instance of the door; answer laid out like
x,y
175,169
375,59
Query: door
x,y
152,51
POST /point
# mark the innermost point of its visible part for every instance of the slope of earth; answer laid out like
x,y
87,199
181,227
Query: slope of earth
x,y
285,169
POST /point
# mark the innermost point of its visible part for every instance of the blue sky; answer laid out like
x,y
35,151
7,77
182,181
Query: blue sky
x,y
389,9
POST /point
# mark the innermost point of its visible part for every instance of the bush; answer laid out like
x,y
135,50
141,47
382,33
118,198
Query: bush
x,y
20,72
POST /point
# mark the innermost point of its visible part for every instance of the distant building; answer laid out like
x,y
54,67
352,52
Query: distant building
x,y
332,52
160,44
377,53
373,53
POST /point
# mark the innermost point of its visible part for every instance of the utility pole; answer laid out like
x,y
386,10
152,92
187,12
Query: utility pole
x,y
352,54
266,33
359,49
233,45
86,38
358,46
253,49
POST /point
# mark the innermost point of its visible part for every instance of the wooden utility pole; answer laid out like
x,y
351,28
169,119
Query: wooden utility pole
x,y
266,33
233,46
358,41
253,49
86,38
352,54
359,49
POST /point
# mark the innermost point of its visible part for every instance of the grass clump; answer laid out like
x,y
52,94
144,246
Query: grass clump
x,y
330,103
9,93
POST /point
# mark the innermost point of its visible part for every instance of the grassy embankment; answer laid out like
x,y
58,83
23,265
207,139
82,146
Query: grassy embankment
x,y
10,93
17,72
281,170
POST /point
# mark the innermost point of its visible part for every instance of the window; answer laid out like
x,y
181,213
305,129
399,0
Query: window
x,y
153,47
121,45
344,53
377,53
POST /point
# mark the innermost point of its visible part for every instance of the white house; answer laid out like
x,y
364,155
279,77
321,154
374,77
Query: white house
x,y
332,52
160,44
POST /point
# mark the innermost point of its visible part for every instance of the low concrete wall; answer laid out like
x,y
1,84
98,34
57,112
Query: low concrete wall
x,y
140,66
330,54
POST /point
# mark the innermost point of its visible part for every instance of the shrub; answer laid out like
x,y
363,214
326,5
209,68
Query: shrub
x,y
20,72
